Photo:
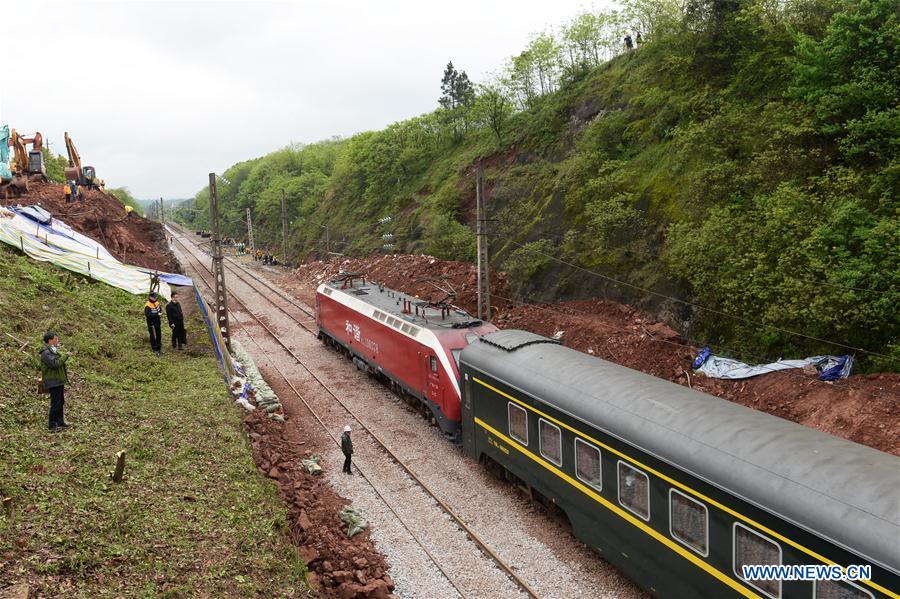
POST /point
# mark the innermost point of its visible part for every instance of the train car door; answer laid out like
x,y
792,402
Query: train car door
x,y
468,416
432,372
423,376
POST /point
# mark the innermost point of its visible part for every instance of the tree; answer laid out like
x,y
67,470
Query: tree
x,y
55,165
493,109
457,90
850,78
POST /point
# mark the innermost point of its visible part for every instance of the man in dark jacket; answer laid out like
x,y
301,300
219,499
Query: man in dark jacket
x,y
54,378
347,448
176,322
153,313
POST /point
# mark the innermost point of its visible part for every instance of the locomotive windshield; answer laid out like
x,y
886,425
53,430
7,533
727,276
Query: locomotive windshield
x,y
456,353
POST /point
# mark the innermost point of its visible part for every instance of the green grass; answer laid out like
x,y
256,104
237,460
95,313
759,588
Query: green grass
x,y
192,518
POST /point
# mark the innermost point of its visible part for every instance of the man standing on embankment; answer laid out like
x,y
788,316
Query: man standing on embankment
x,y
54,377
153,314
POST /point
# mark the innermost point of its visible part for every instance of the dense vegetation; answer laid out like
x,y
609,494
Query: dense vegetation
x,y
742,156
55,165
193,517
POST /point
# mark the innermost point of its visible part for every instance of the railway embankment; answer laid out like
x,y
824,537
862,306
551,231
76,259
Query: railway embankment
x,y
862,408
193,516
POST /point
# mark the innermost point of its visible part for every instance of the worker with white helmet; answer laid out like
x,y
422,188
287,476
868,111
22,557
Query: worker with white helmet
x,y
347,448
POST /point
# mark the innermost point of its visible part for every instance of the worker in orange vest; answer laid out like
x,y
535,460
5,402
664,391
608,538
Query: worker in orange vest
x,y
68,193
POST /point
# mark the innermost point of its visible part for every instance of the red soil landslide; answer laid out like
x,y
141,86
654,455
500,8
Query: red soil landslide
x,y
862,408
133,240
417,275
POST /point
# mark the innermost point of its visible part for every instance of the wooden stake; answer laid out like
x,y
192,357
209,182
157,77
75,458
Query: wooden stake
x,y
7,506
119,473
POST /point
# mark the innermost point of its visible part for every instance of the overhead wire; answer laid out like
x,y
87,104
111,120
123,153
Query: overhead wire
x,y
700,306
692,348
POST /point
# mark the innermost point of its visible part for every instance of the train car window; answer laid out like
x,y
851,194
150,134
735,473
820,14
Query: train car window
x,y
518,423
753,549
551,441
587,464
433,361
836,589
456,353
689,521
634,490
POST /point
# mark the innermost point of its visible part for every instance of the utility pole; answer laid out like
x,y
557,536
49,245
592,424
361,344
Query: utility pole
x,y
162,212
484,283
250,234
283,229
218,266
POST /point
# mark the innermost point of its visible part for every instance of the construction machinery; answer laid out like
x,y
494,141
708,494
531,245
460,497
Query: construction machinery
x,y
29,164
37,170
13,173
85,176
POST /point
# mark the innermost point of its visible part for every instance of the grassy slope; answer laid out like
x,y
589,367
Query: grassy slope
x,y
193,516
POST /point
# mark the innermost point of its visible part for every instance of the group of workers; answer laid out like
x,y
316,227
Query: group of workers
x,y
174,316
74,193
54,374
265,257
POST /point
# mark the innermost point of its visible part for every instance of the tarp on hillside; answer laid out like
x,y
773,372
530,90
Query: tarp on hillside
x,y
58,233
830,368
48,245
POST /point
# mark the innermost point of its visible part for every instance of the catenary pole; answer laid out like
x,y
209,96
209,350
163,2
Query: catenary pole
x,y
484,286
218,266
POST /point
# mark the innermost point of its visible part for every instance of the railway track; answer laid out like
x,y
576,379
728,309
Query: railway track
x,y
245,276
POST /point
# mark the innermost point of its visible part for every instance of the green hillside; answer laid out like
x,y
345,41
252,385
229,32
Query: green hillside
x,y
742,157
192,518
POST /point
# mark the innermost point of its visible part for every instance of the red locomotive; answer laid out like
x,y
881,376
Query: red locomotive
x,y
413,344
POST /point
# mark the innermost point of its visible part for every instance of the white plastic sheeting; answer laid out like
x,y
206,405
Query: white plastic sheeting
x,y
830,368
66,248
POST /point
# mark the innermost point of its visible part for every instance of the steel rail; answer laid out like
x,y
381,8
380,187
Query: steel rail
x,y
485,548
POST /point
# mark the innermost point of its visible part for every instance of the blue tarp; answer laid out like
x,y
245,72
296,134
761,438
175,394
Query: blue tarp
x,y
172,278
831,368
44,221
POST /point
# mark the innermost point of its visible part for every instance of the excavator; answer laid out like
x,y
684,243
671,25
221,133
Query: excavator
x,y
28,163
13,173
82,175
36,167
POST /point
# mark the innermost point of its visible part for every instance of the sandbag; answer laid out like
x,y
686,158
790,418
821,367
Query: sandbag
x,y
354,521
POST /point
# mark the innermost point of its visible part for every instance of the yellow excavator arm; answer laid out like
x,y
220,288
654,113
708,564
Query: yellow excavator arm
x,y
74,158
19,163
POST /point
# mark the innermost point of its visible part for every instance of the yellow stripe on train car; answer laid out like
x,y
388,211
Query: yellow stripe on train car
x,y
678,484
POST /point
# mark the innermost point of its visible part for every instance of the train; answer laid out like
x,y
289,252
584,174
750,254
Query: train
x,y
687,494
412,344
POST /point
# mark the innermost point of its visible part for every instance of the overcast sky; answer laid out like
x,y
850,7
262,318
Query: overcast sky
x,y
158,94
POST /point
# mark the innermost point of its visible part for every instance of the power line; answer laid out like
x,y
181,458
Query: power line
x,y
701,307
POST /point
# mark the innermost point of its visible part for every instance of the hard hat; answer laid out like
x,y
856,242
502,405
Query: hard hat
x,y
347,429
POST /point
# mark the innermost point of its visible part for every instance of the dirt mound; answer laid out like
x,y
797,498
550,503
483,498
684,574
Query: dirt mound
x,y
863,408
419,275
338,566
133,240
